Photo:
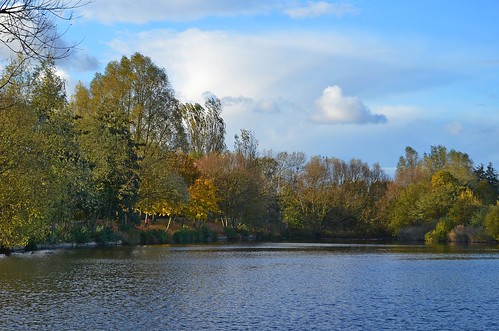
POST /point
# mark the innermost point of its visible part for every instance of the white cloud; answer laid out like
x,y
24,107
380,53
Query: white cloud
x,y
258,106
335,108
314,9
139,12
277,64
400,113
454,128
62,73
228,64
291,64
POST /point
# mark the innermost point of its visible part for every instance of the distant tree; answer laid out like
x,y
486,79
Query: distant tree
x,y
205,127
464,207
492,177
409,168
461,166
404,209
448,190
184,165
22,205
492,222
240,191
194,116
488,183
309,203
171,187
289,165
162,192
246,144
435,160
69,173
215,126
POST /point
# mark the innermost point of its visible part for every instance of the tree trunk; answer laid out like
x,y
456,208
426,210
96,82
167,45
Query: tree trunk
x,y
169,222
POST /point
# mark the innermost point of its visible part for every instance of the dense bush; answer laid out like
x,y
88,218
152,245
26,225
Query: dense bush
x,y
104,234
478,218
131,237
80,234
469,234
231,233
413,233
189,236
439,234
154,236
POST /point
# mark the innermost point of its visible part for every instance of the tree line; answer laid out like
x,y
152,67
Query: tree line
x,y
124,149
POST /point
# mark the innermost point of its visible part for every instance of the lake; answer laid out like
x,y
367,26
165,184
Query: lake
x,y
268,286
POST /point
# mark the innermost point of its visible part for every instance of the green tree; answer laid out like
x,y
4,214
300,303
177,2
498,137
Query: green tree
x,y
129,121
444,191
488,184
142,91
162,192
34,153
309,201
69,175
107,145
405,210
464,207
246,144
449,189
22,172
205,127
492,222
409,168
435,160
359,197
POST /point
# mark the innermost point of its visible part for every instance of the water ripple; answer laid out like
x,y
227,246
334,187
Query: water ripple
x,y
252,287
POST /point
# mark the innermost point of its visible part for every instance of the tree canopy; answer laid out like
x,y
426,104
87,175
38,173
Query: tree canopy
x,y
125,148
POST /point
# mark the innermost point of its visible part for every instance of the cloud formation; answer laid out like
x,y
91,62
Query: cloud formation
x,y
321,8
258,106
335,108
139,12
292,64
81,61
454,128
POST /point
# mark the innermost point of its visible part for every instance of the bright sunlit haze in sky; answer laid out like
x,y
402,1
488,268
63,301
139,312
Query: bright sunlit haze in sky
x,y
347,79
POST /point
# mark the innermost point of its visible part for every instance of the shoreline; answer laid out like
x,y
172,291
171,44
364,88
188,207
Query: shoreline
x,y
354,241
53,247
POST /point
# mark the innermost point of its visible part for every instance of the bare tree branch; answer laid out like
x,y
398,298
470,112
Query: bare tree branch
x,y
28,28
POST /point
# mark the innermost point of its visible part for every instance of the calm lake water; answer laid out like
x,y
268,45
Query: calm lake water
x,y
252,287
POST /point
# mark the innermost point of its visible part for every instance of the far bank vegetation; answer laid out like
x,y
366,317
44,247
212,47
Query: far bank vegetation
x,y
123,158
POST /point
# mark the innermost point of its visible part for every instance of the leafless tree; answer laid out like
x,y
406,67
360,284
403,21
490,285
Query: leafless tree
x,y
28,27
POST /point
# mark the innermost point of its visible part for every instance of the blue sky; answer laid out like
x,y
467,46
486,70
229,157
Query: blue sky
x,y
349,79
